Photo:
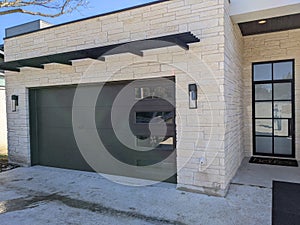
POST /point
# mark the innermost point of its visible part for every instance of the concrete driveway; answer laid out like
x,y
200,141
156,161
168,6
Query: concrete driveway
x,y
41,195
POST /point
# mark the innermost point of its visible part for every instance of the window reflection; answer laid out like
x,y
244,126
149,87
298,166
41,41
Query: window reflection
x,y
264,145
283,146
154,92
263,109
263,127
281,127
283,91
283,109
283,70
157,142
146,117
263,72
263,92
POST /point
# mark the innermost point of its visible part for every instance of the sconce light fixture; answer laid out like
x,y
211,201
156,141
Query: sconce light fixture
x,y
193,96
14,102
262,22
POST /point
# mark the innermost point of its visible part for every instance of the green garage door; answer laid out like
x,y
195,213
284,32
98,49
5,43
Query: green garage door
x,y
53,142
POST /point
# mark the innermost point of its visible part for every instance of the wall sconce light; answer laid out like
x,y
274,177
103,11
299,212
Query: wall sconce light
x,y
193,96
262,22
14,102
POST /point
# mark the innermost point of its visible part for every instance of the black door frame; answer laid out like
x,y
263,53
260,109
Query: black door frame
x,y
292,81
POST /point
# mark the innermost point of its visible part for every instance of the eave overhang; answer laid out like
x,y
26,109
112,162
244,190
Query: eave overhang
x,y
135,47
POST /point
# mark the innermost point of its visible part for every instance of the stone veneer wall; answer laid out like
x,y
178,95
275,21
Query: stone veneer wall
x,y
233,92
3,121
200,133
269,47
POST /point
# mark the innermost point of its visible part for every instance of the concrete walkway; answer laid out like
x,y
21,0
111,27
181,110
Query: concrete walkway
x,y
41,195
263,175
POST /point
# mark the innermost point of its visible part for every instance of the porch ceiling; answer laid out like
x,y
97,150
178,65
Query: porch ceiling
x,y
245,11
275,24
136,47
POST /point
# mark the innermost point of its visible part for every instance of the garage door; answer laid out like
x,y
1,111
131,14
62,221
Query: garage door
x,y
53,142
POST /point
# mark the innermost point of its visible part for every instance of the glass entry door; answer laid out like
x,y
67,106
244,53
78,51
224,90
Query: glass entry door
x,y
273,108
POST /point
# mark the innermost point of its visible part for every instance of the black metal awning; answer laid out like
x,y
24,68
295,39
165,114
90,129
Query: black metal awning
x,y
135,47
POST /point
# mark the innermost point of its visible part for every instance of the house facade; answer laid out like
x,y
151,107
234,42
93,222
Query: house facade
x,y
177,90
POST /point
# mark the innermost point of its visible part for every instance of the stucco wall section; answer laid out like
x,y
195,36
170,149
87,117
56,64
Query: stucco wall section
x,y
269,47
200,133
3,125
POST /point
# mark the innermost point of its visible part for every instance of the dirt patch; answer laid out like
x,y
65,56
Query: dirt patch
x,y
4,165
33,202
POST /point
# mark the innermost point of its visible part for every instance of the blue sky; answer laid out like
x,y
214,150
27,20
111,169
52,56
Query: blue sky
x,y
94,7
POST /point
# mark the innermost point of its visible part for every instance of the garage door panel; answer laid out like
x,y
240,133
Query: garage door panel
x,y
55,152
52,136
56,138
108,95
55,97
133,152
103,119
55,117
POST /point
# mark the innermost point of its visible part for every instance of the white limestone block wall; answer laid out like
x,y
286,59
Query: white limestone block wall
x,y
233,88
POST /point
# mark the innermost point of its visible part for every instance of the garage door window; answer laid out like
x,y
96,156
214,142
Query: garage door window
x,y
154,117
153,92
159,142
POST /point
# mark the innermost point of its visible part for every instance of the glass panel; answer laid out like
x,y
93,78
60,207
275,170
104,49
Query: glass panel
x,y
283,109
263,109
264,145
142,92
146,117
283,145
138,93
262,72
163,92
281,127
263,127
154,92
263,92
2,81
283,91
157,142
283,70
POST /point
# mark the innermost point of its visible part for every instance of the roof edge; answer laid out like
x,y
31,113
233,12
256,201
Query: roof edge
x,y
92,17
